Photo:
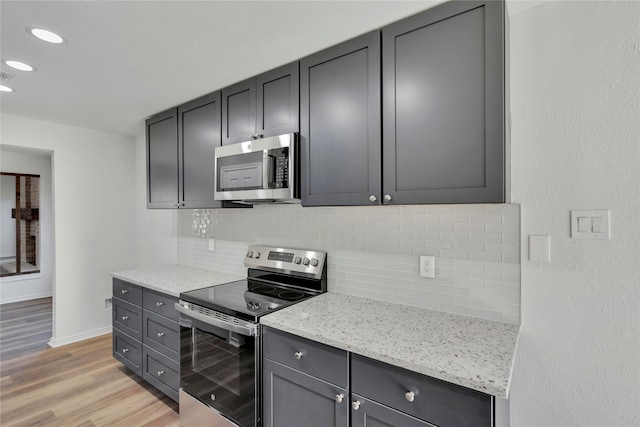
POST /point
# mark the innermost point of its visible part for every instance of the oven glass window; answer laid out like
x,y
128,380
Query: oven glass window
x,y
218,367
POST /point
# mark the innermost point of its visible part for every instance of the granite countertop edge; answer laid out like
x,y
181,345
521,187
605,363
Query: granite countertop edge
x,y
175,278
493,378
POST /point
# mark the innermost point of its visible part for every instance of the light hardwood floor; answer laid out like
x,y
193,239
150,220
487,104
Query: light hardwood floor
x,y
74,385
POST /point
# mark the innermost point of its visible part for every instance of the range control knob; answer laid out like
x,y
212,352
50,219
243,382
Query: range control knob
x,y
305,261
298,260
257,255
250,254
314,262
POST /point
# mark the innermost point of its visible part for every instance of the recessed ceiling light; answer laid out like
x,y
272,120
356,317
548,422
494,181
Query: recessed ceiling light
x,y
4,88
46,35
19,65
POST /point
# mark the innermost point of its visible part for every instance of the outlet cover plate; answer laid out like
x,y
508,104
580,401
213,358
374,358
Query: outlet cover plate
x,y
428,266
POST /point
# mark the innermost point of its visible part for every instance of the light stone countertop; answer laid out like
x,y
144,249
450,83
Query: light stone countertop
x,y
173,279
474,353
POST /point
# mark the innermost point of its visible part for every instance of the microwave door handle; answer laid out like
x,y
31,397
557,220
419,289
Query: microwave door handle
x,y
266,168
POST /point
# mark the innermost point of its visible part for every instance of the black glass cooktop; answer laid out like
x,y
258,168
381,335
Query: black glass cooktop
x,y
246,299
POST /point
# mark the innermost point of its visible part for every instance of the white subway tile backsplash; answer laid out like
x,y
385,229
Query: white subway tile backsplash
x,y
373,251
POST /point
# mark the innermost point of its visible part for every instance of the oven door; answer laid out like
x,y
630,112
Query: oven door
x,y
219,366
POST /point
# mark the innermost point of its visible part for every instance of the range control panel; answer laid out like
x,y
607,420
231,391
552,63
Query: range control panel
x,y
287,260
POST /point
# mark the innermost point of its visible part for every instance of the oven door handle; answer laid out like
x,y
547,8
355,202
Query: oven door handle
x,y
242,330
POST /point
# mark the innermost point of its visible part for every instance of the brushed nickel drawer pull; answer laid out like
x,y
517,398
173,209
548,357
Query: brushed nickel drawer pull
x,y
410,396
355,405
124,291
160,373
339,398
125,317
297,355
159,303
124,350
160,334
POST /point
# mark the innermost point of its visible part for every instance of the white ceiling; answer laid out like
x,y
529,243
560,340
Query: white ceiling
x,y
126,60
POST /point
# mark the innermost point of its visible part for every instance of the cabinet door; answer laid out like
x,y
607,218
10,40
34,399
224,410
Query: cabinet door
x,y
443,109
291,398
340,124
239,112
200,133
162,160
372,414
278,101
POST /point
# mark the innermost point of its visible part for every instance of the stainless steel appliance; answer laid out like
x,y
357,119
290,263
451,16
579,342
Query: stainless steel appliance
x,y
258,171
220,334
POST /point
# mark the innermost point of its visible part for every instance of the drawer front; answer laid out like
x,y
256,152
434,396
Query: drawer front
x,y
161,334
435,401
128,351
313,358
161,372
127,291
128,318
160,303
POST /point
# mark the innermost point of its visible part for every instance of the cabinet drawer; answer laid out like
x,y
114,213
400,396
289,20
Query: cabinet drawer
x,y
127,291
161,372
436,401
161,334
160,303
327,363
128,318
128,351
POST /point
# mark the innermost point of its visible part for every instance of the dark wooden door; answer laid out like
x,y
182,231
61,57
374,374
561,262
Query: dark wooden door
x,y
367,413
162,160
292,398
443,109
200,133
239,112
278,101
340,124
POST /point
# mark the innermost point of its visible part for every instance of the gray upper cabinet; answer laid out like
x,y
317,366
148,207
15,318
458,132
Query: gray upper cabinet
x,y
262,106
162,160
340,124
443,109
180,155
199,134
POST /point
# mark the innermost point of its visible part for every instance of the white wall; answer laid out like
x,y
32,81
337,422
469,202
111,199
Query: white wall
x,y
37,285
575,91
93,199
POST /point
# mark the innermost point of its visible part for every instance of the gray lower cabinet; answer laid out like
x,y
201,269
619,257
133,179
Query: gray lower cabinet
x,y
308,383
367,413
304,383
146,335
419,396
443,105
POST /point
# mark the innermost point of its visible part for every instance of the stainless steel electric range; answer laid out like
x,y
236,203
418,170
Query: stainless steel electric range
x,y
220,334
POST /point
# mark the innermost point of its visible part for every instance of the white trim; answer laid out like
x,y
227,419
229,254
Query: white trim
x,y
58,342
18,277
25,297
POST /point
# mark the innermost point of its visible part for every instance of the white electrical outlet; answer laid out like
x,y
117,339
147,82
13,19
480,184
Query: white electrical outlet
x,y
107,302
428,266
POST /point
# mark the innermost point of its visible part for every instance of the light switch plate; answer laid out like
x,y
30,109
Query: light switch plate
x,y
540,248
590,224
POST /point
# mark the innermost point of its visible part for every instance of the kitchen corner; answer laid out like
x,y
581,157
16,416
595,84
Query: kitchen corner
x,y
474,353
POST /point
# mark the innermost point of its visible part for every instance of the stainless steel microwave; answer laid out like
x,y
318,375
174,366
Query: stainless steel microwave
x,y
259,171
